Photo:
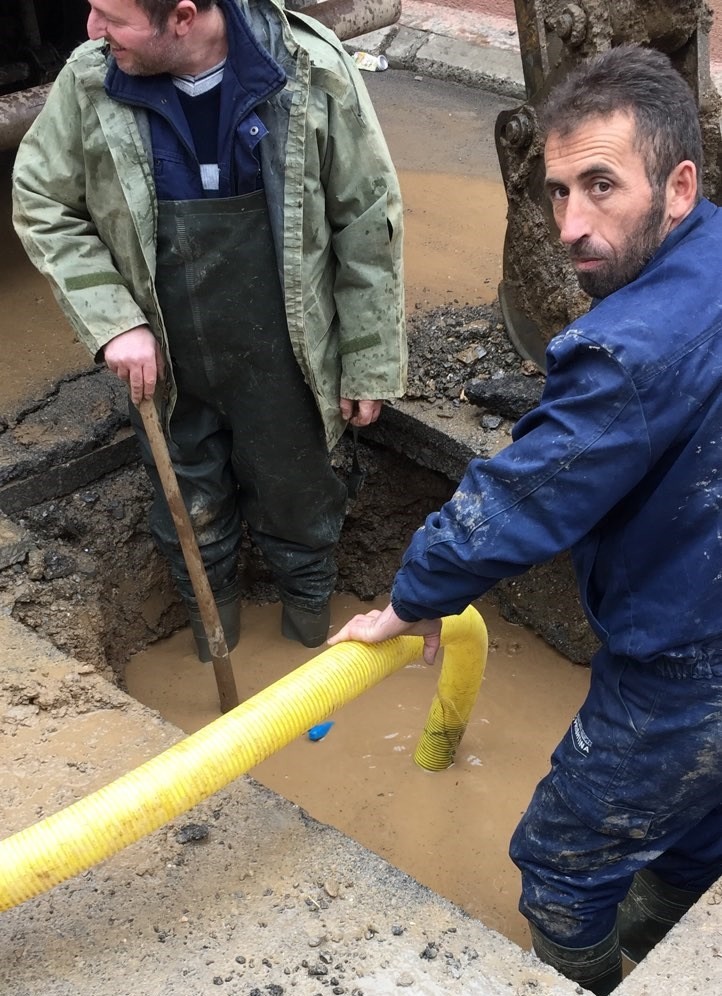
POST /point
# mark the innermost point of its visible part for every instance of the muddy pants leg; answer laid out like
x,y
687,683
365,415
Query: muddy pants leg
x,y
246,456
638,773
294,506
290,496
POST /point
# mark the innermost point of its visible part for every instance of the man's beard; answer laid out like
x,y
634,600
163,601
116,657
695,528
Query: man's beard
x,y
621,267
163,57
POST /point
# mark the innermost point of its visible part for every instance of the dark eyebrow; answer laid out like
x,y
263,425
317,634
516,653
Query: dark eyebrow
x,y
596,169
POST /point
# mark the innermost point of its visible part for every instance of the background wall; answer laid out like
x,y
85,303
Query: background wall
x,y
505,8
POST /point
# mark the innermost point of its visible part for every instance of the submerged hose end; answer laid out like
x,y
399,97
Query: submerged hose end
x,y
439,741
465,641
436,749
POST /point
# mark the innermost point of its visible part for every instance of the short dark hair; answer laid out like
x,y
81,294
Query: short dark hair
x,y
159,10
644,83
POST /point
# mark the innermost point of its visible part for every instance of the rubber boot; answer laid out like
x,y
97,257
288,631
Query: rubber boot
x,y
228,603
597,968
308,628
650,910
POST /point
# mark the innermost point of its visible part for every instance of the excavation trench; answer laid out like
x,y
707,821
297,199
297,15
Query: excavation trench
x,y
87,577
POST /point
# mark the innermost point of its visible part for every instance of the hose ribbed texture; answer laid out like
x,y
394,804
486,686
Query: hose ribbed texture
x,y
466,642
92,829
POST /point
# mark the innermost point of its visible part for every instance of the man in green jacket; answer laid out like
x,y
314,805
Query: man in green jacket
x,y
209,193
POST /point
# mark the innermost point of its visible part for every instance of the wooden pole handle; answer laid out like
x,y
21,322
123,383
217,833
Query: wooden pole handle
x,y
223,670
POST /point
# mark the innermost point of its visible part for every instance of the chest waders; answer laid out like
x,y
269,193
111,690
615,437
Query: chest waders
x,y
246,438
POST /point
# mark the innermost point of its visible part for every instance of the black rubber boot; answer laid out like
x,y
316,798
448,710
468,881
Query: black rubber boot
x,y
650,910
597,968
308,628
228,603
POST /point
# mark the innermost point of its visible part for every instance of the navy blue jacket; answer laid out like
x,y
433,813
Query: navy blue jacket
x,y
250,76
621,462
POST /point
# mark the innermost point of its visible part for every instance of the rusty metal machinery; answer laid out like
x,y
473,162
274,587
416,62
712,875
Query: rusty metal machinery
x,y
37,35
539,294
350,18
35,38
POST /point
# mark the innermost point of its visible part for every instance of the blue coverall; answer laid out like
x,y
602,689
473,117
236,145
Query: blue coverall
x,y
622,464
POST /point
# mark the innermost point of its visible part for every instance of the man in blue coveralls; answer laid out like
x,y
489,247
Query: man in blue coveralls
x,y
620,463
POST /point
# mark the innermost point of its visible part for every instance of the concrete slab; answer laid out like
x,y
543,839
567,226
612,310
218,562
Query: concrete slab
x,y
498,70
401,52
453,45
374,41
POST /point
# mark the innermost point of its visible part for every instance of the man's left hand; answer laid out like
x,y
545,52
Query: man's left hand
x,y
360,412
376,626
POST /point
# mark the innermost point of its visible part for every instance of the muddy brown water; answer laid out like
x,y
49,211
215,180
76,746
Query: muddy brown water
x,y
449,830
38,345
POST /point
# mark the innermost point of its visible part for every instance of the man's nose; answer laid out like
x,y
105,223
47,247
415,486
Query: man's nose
x,y
96,26
573,221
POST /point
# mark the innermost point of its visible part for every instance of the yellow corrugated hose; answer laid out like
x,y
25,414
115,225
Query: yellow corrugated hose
x,y
92,829
456,690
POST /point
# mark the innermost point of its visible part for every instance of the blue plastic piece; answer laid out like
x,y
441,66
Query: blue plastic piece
x,y
320,731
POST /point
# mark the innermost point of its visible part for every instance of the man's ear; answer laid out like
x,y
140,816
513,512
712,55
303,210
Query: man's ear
x,y
681,191
182,17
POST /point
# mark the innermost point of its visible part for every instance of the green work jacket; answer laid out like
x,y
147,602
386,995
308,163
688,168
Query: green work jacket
x,y
85,209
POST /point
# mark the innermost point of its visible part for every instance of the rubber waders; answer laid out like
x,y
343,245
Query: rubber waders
x,y
228,603
308,628
650,910
597,968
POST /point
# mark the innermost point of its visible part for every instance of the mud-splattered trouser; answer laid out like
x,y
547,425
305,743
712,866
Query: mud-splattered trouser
x,y
635,783
246,437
